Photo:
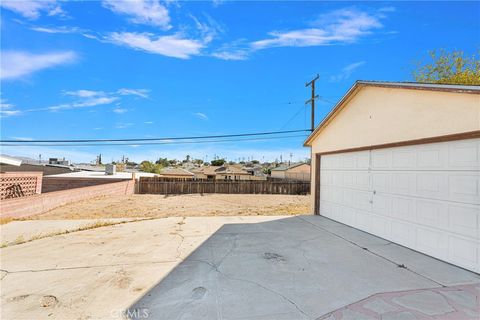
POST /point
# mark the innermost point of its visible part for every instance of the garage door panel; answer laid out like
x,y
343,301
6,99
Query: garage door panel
x,y
463,250
380,159
431,157
402,183
362,159
403,233
363,200
381,181
432,241
426,197
380,226
348,198
348,161
337,179
464,187
403,208
363,221
432,213
362,180
403,159
464,155
433,185
464,220
381,204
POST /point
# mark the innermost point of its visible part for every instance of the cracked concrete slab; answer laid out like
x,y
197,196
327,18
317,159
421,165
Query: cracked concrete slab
x,y
207,268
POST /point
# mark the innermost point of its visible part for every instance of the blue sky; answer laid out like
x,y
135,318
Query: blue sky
x,y
116,69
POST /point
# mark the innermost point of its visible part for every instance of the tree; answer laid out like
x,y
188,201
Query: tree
x,y
163,162
218,162
147,166
449,68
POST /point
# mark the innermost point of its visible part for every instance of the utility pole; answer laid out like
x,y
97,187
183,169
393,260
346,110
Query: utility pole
x,y
312,99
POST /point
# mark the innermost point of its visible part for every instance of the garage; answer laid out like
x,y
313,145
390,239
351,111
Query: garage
x,y
402,161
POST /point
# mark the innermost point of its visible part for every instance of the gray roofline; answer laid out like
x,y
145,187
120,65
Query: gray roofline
x,y
406,84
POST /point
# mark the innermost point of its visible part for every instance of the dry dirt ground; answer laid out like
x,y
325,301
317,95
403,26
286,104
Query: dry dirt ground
x,y
148,206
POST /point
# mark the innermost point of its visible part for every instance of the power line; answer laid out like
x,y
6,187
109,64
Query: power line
x,y
147,143
22,142
293,117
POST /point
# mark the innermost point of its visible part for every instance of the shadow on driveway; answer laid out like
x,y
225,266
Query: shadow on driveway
x,y
304,267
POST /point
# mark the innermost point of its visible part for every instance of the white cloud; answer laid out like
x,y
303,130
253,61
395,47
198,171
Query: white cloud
x,y
346,71
82,98
236,54
85,93
200,115
387,9
90,102
32,9
8,109
339,26
60,29
217,3
120,110
207,29
16,64
22,138
170,46
149,122
143,93
149,12
122,125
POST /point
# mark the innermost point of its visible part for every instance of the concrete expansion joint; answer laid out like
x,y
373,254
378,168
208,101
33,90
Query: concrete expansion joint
x,y
400,265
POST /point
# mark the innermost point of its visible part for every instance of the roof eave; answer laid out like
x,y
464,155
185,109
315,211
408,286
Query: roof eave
x,y
401,85
353,88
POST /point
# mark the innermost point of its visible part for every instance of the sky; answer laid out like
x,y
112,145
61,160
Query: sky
x,y
146,69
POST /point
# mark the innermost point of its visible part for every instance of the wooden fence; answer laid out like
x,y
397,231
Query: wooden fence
x,y
155,185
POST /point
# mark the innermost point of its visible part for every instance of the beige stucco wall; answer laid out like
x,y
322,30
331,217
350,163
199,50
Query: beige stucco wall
x,y
378,115
278,174
304,168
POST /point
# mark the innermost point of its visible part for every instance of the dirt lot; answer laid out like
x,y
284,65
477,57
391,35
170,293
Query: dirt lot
x,y
146,206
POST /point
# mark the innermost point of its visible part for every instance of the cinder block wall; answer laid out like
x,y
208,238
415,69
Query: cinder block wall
x,y
41,203
51,184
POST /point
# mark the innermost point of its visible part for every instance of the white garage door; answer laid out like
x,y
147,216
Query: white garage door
x,y
425,197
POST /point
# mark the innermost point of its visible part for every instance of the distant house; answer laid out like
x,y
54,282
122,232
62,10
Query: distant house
x,y
177,173
205,172
298,171
232,173
229,172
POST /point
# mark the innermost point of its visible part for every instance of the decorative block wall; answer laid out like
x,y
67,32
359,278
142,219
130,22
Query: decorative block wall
x,y
20,184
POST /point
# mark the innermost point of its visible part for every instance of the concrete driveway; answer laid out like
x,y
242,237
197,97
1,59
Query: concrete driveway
x,y
304,267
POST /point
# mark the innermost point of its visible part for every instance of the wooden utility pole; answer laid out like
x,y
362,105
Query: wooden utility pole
x,y
312,99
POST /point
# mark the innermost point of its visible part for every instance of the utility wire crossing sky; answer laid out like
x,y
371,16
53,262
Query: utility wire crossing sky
x,y
100,70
